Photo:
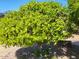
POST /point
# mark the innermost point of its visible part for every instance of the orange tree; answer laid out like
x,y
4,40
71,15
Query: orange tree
x,y
35,22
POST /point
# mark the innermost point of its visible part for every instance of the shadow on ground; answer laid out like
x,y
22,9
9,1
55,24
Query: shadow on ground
x,y
48,51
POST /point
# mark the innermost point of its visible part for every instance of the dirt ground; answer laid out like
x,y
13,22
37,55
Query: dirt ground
x,y
9,53
74,39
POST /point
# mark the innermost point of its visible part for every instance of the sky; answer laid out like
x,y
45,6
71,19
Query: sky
x,y
6,5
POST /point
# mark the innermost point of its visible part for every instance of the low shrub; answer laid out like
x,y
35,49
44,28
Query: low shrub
x,y
35,22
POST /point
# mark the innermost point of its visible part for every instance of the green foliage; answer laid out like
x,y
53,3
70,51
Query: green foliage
x,y
34,22
74,14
